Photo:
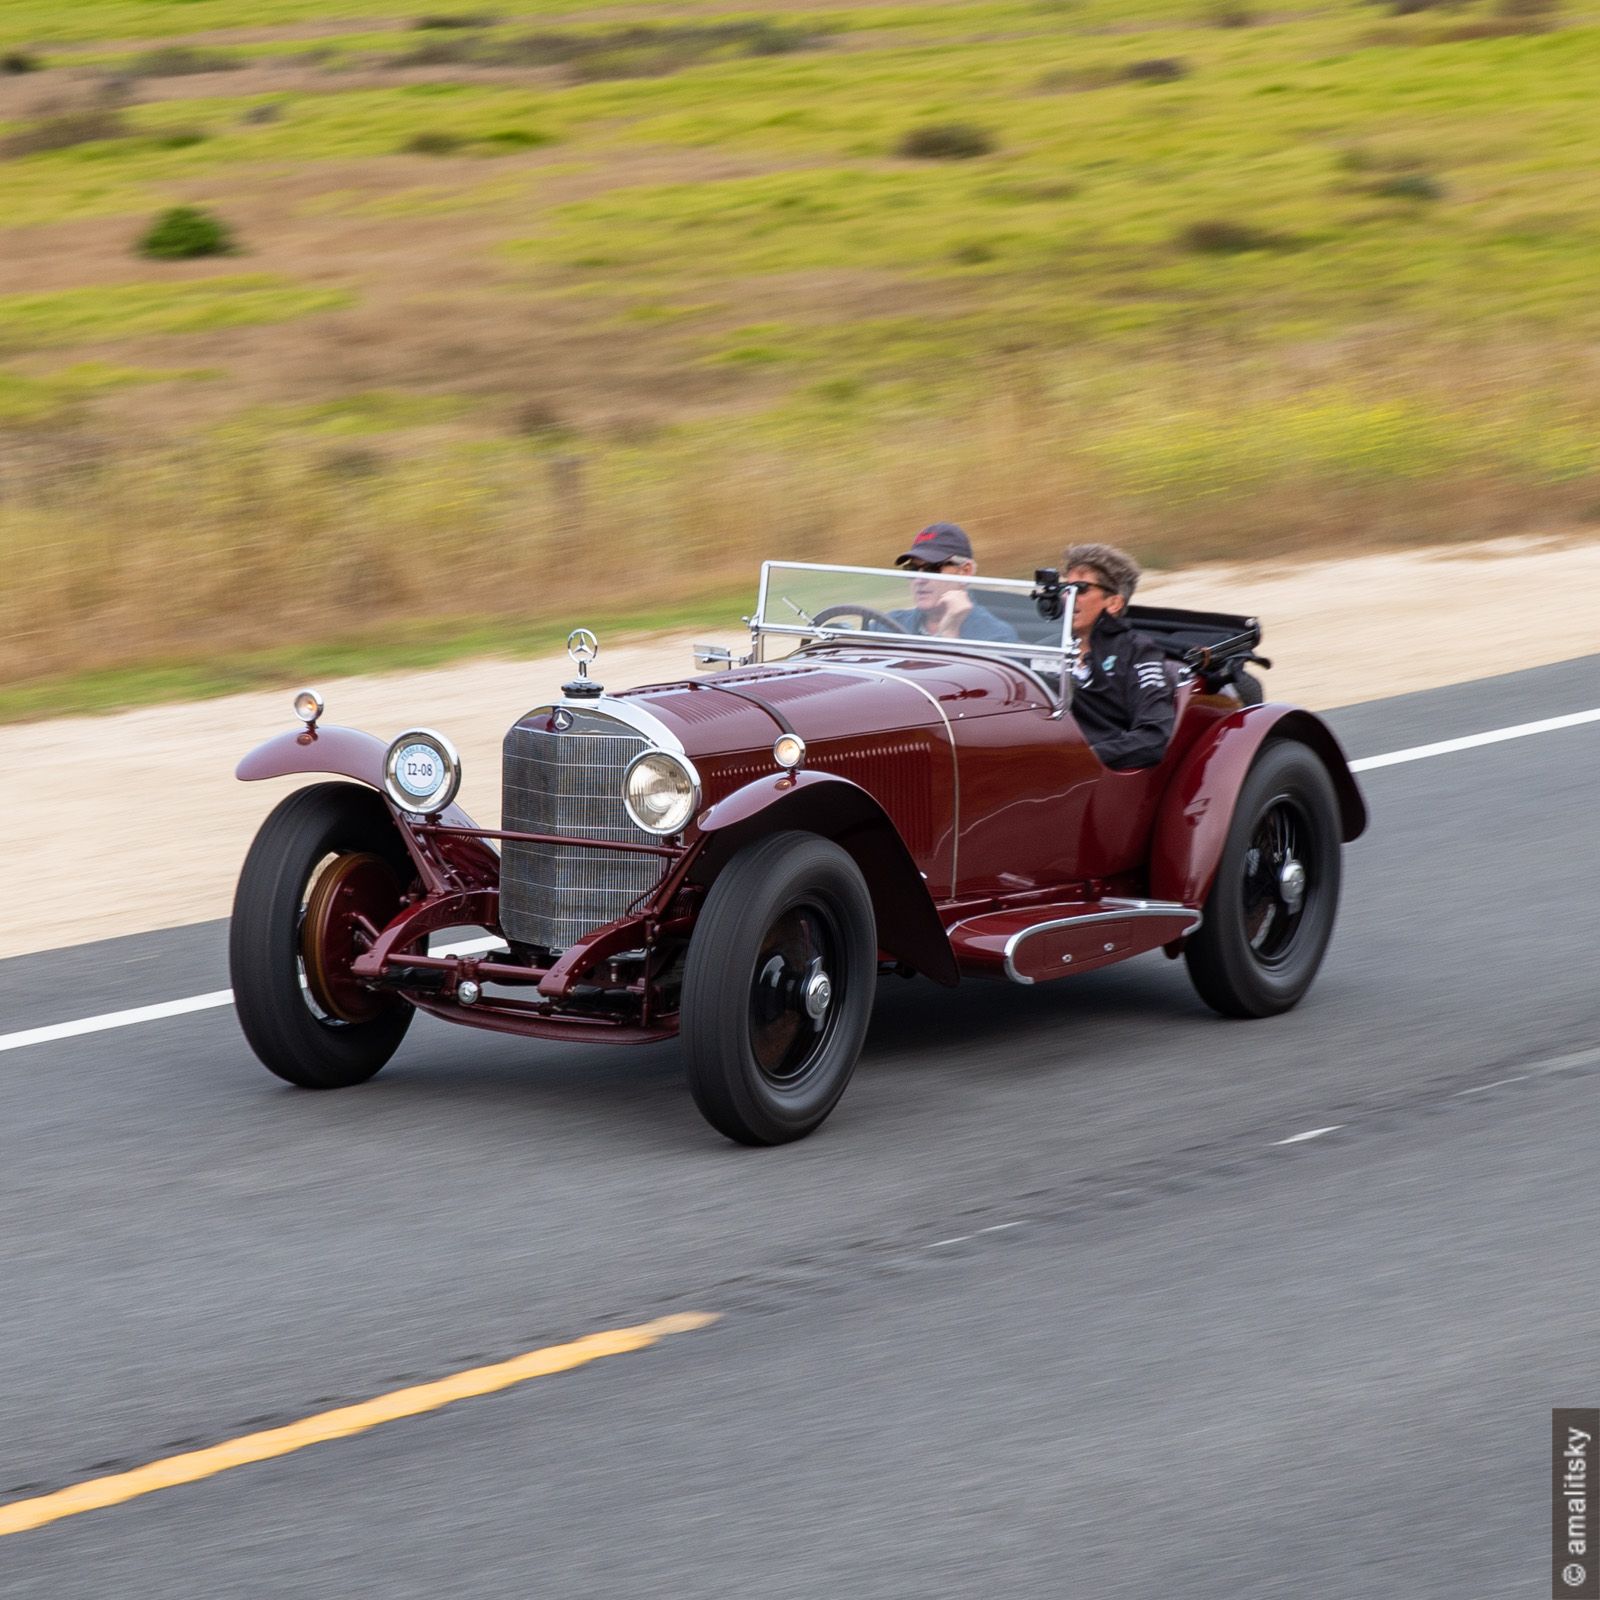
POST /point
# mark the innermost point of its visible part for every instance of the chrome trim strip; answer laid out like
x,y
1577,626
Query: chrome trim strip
x,y
955,764
636,717
1127,911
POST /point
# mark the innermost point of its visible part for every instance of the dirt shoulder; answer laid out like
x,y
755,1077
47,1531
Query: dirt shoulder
x,y
134,821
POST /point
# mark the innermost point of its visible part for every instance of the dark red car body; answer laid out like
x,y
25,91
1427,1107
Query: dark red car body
x,y
993,841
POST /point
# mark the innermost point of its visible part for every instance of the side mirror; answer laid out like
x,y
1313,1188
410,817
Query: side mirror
x,y
715,658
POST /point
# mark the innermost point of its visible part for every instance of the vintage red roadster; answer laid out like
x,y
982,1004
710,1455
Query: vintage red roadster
x,y
736,858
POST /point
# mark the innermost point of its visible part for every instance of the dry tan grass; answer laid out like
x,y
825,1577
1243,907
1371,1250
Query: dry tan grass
x,y
122,554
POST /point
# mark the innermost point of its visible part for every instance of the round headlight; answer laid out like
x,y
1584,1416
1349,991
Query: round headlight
x,y
308,705
661,791
789,750
422,771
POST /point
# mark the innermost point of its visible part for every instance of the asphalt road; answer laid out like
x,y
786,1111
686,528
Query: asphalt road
x,y
1185,1358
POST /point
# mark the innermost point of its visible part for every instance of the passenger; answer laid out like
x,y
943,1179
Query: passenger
x,y
1122,697
946,609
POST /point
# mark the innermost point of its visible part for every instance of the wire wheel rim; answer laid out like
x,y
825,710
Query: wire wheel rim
x,y
795,995
1280,880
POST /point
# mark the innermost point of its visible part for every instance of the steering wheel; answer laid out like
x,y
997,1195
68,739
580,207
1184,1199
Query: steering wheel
x,y
868,614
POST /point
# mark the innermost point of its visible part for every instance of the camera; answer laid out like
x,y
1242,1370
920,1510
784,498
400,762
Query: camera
x,y
1047,592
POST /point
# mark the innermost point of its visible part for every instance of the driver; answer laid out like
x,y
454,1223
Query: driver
x,y
946,609
1122,698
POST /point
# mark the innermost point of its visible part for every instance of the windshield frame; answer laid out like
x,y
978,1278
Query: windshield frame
x,y
1062,657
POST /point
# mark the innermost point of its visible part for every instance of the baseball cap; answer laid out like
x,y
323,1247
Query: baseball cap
x,y
937,543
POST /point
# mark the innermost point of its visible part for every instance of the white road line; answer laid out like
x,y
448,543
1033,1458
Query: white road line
x,y
1484,1088
177,1008
1310,1133
1445,747
223,997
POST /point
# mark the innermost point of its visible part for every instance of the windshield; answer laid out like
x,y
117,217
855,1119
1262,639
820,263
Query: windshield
x,y
800,601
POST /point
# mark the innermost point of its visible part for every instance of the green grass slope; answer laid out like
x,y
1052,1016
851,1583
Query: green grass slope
x,y
537,311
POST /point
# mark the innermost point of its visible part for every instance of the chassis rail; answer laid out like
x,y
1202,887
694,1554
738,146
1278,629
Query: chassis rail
x,y
570,1004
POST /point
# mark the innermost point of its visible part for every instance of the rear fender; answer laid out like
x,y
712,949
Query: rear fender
x,y
909,928
1197,809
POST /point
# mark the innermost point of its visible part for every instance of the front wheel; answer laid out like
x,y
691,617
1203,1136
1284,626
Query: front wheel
x,y
326,861
1270,912
778,988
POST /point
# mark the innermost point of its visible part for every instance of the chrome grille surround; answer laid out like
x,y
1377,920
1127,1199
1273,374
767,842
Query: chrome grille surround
x,y
568,780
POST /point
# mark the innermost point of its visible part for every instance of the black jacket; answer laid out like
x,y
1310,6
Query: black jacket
x,y
1122,697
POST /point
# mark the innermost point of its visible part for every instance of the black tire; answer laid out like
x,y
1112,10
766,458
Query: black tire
x,y
285,1028
1255,955
762,1068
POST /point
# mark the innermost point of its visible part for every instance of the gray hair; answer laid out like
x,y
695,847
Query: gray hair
x,y
1115,568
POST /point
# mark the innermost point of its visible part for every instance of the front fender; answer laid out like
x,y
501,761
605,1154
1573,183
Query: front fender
x,y
909,928
346,751
1197,809
343,752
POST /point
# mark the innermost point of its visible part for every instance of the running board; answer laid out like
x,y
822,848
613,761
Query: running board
x,y
1032,944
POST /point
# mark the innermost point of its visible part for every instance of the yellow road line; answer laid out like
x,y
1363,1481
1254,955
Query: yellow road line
x,y
341,1423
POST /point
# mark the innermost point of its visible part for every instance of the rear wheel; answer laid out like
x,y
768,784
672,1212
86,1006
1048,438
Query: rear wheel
x,y
778,988
1271,909
326,860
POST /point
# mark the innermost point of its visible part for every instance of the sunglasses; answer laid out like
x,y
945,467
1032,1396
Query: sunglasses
x,y
925,566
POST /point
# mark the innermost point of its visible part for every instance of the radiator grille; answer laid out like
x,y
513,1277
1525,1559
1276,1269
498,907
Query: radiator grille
x,y
569,781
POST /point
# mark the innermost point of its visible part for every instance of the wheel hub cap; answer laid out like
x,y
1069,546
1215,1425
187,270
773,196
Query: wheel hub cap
x,y
818,994
1292,884
791,999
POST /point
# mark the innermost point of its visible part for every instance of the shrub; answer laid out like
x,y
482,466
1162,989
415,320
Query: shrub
x,y
1363,158
1219,237
269,111
774,39
1161,69
433,144
18,61
945,141
1231,14
185,232
181,138
1410,186
520,138
459,19
538,420
636,51
63,128
973,253
458,52
179,60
